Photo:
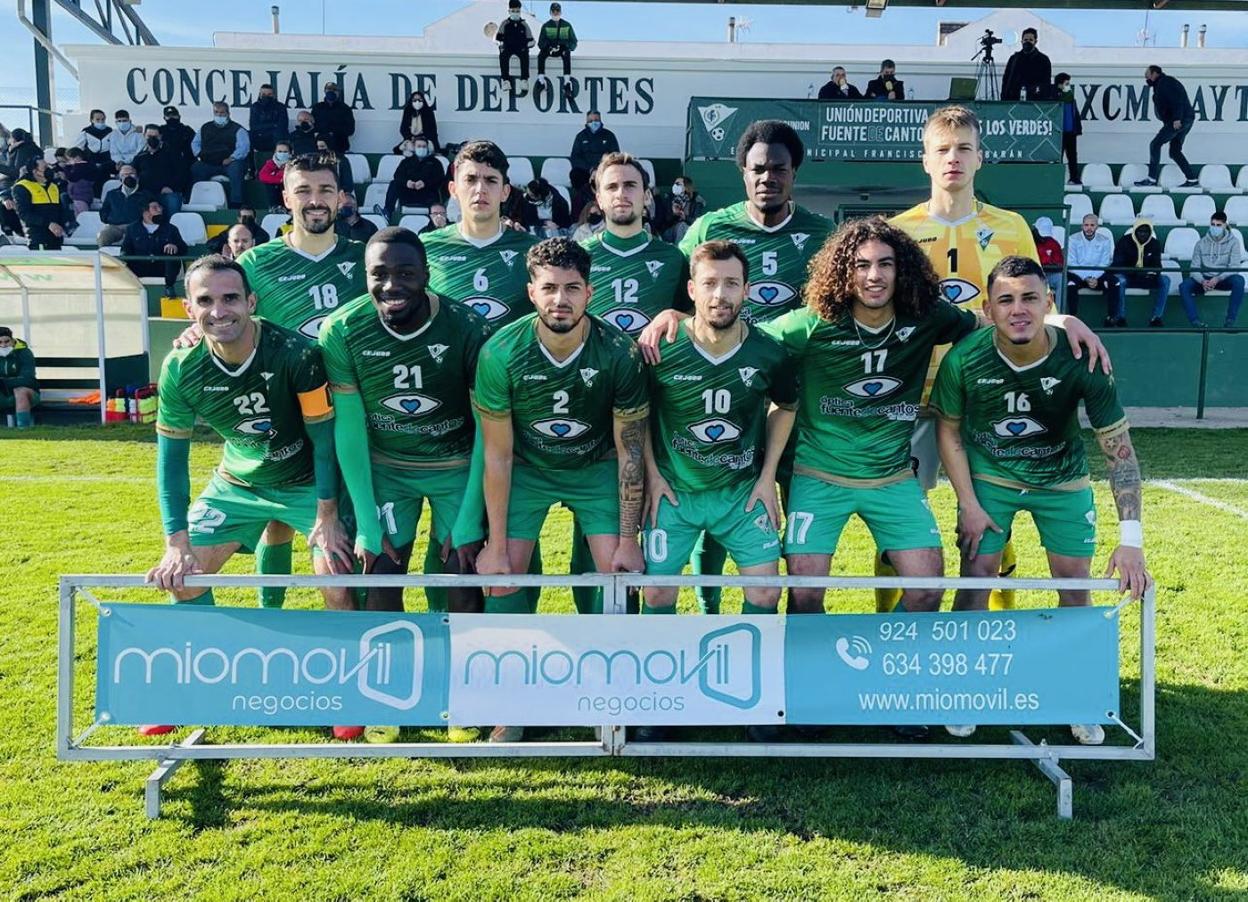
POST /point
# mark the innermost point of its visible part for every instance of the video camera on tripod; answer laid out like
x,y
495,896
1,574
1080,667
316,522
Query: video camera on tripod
x,y
985,45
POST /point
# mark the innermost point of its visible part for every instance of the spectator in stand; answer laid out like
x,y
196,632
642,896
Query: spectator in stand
x,y
19,389
437,218
268,122
122,206
1215,260
557,38
246,219
154,236
237,240
1140,251
419,119
10,222
887,86
221,148
350,223
839,88
514,39
23,150
545,213
590,143
303,135
1072,124
683,206
346,178
38,204
125,142
418,181
1174,111
178,137
79,179
334,120
1050,251
589,223
94,141
1028,72
1087,255
273,172
160,170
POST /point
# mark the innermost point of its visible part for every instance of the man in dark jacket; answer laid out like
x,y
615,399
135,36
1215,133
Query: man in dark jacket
x,y
154,236
1028,72
1139,250
268,122
122,206
178,137
19,389
888,86
588,146
514,39
545,213
334,120
23,150
419,181
38,203
1072,124
222,147
558,39
1174,111
303,135
162,170
350,223
839,88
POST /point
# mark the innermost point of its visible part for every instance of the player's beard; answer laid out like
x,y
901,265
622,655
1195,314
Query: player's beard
x,y
561,327
715,320
318,228
622,218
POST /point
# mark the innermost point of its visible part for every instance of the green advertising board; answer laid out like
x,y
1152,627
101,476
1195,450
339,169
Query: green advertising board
x,y
868,131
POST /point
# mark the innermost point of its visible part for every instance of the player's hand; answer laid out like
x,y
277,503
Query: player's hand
x,y
328,535
1133,576
1178,124
1209,284
765,491
55,229
1092,282
662,326
191,336
656,490
368,559
627,557
1081,337
170,248
178,563
466,554
973,522
227,161
493,560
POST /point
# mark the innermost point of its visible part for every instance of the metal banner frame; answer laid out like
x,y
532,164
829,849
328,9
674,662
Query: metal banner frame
x,y
612,741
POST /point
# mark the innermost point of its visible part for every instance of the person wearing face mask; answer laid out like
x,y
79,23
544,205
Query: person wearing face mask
x,y
588,147
122,206
303,135
177,136
589,223
161,170
79,178
268,121
1072,124
334,120
272,173
19,389
545,213
1137,256
557,38
1173,109
350,223
418,181
839,88
419,119
514,39
1028,72
126,141
222,147
887,86
1215,261
95,142
37,200
154,236
682,207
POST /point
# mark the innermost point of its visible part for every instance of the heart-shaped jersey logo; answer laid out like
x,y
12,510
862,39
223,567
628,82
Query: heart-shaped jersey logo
x,y
1016,428
411,405
714,432
769,293
264,425
950,292
872,388
560,429
624,321
482,308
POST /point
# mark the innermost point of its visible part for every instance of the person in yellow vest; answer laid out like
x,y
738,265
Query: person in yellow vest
x,y
38,202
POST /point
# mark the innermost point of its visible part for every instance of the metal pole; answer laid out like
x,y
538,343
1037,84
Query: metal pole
x,y
1204,370
1148,671
65,668
98,268
42,20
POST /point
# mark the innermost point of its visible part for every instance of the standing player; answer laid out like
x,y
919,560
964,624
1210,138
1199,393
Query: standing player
x,y
1008,401
711,464
964,238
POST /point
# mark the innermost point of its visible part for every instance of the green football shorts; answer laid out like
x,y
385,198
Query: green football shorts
x,y
1066,521
225,512
400,493
8,402
747,535
897,515
592,493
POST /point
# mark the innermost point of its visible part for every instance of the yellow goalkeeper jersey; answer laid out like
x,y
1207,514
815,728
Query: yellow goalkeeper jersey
x,y
963,252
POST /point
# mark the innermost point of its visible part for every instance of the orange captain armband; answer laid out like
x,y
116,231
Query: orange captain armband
x,y
316,405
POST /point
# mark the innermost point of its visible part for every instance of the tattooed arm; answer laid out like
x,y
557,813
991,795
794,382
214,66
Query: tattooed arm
x,y
630,434
1124,482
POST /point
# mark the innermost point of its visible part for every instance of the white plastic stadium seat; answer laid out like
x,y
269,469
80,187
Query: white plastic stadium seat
x,y
649,167
1080,206
1058,234
519,170
375,219
206,197
109,185
563,192
414,221
1237,210
1171,177
1216,178
89,226
1160,209
191,225
446,164
1180,243
1130,174
1197,209
1117,209
385,168
272,222
375,195
558,171
1241,180
1097,177
360,172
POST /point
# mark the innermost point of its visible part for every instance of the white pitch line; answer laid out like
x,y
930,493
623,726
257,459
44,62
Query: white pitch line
x,y
1199,496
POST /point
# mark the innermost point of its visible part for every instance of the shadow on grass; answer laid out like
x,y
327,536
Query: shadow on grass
x,y
1162,828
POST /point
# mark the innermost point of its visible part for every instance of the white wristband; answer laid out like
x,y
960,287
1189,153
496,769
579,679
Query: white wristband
x,y
1130,533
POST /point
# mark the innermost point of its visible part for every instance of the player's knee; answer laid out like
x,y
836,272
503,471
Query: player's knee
x,y
922,600
22,394
1073,598
660,596
805,601
764,598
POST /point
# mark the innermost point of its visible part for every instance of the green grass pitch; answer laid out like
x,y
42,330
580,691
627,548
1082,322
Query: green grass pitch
x,y
82,500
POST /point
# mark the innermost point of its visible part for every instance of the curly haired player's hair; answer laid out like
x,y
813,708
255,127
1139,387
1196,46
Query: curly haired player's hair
x,y
829,290
559,253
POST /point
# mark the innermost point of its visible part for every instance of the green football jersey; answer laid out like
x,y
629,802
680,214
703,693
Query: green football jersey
x,y
1021,426
778,255
415,386
860,389
255,407
297,291
562,413
489,276
710,414
634,279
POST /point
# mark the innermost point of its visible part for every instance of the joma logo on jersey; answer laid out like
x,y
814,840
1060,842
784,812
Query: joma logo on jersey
x,y
990,381
654,266
345,268
1018,427
681,377
875,387
1048,383
216,388
984,235
799,240
508,257
747,374
293,277
560,428
588,374
369,353
534,377
413,405
437,351
714,431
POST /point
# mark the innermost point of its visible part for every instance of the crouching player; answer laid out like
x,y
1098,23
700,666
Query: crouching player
x,y
1008,400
